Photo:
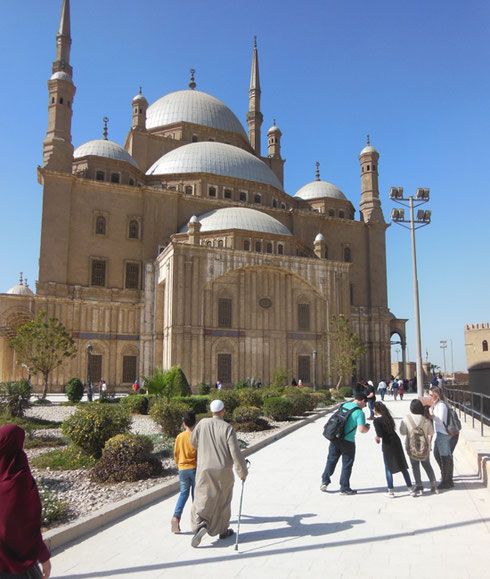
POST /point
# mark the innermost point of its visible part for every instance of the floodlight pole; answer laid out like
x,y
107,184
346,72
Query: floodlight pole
x,y
418,338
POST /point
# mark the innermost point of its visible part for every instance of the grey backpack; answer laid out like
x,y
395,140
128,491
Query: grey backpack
x,y
418,445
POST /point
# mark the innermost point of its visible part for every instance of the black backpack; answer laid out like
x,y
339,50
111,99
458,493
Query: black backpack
x,y
334,429
453,424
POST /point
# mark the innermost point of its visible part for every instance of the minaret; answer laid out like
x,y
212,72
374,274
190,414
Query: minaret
x,y
57,147
370,205
140,106
254,116
274,141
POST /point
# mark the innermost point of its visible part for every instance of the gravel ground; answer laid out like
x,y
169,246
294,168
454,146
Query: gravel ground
x,y
84,496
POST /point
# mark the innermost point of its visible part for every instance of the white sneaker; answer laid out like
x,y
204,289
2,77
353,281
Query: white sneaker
x,y
390,494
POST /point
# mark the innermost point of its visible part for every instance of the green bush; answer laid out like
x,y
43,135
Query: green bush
x,y
345,392
203,389
169,416
136,403
74,390
52,508
241,384
69,458
334,393
246,414
198,404
14,397
204,415
126,457
278,408
229,398
92,425
280,378
298,398
249,397
251,426
326,393
271,392
320,397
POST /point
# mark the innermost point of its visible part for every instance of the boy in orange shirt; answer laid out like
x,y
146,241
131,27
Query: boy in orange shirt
x,y
186,460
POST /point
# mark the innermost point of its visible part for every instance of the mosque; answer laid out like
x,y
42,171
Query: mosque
x,y
182,247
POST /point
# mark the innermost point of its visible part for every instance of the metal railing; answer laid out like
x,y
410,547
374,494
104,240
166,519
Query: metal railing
x,y
474,404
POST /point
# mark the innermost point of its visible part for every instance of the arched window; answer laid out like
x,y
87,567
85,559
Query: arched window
x,y
212,191
347,255
100,225
484,345
331,213
303,316
274,203
131,182
115,178
227,193
246,245
188,190
325,252
269,248
258,246
134,229
341,214
257,199
280,249
220,243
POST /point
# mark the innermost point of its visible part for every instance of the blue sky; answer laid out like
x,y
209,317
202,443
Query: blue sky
x,y
414,75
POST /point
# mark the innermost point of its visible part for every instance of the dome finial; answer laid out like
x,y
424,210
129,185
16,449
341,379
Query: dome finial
x,y
25,283
140,91
274,122
368,140
317,171
255,41
105,132
192,84
20,278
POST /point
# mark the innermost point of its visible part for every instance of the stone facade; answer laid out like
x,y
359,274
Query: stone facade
x,y
132,266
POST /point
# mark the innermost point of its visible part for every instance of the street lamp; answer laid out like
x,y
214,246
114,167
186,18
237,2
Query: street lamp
x,y
314,370
443,344
89,372
422,196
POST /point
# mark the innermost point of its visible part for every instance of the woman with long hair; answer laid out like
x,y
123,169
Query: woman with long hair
x,y
21,542
444,445
393,455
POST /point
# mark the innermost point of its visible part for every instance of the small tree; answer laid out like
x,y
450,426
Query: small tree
x,y
347,347
167,384
42,345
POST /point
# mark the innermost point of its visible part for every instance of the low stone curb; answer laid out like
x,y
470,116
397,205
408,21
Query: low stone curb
x,y
95,521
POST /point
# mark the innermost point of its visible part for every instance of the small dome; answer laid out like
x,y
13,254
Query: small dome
x,y
319,237
60,75
274,129
104,148
319,190
368,149
20,290
239,218
195,107
139,98
193,219
215,159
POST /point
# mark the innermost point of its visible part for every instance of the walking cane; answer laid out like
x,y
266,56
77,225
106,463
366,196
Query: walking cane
x,y
240,509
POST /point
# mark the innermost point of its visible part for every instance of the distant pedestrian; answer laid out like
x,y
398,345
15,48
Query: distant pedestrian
x,y
401,388
382,386
393,455
219,385
371,398
90,391
300,383
186,460
445,443
394,389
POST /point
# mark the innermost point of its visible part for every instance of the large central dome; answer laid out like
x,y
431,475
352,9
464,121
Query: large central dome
x,y
215,159
193,106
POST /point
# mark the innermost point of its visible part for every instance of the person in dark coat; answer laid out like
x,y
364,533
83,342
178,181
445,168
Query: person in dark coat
x,y
393,455
21,542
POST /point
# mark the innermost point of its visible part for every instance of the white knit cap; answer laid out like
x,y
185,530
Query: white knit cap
x,y
216,406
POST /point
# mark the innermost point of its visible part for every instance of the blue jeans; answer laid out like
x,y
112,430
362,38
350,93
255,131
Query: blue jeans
x,y
371,407
382,392
347,450
389,477
187,480
443,445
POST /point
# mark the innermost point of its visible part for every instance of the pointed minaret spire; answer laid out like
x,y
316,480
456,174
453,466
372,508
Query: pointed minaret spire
x,y
254,116
192,84
20,279
367,139
57,147
105,131
317,171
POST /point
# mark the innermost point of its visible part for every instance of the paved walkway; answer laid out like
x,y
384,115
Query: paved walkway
x,y
292,530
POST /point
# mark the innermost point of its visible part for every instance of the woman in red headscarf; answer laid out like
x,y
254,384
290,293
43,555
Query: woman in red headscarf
x,y
21,542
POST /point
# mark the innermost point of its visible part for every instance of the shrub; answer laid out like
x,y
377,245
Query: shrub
x,y
326,393
252,426
198,404
126,457
311,401
52,508
181,383
270,392
320,397
298,398
345,392
280,378
167,383
74,390
241,384
136,403
92,425
14,397
203,389
334,393
278,408
169,416
230,400
249,397
204,415
246,414
69,458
